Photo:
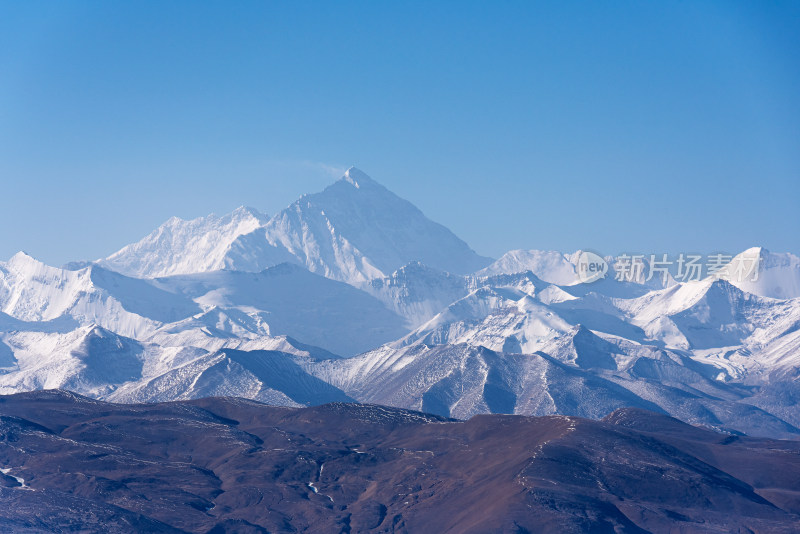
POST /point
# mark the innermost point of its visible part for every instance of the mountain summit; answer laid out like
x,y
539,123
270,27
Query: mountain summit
x,y
180,247
778,274
357,178
354,231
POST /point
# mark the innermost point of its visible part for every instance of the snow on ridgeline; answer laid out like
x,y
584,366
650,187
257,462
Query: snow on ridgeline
x,y
778,277
208,310
179,246
353,231
34,292
549,265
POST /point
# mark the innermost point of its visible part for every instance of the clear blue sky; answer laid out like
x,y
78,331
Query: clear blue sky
x,y
615,126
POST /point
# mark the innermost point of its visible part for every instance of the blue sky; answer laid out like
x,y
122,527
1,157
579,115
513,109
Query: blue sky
x,y
615,126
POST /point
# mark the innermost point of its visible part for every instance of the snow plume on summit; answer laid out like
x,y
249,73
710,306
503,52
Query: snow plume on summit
x,y
356,230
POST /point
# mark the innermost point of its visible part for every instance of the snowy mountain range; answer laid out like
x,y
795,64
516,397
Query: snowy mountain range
x,y
354,231
354,294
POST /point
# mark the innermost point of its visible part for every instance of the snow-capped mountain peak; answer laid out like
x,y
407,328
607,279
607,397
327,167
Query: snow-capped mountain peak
x,y
549,265
23,262
777,275
353,231
358,178
181,246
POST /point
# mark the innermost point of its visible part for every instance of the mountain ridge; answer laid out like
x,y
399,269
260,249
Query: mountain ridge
x,y
229,464
347,232
353,292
